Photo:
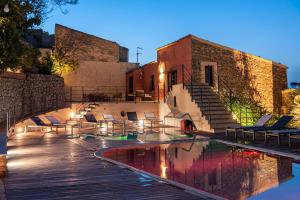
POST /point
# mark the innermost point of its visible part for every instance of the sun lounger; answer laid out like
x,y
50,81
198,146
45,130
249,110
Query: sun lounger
x,y
135,122
152,118
279,125
56,123
91,119
109,119
38,123
291,133
260,123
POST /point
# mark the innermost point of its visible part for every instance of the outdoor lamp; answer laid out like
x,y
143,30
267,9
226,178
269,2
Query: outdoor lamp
x,y
6,8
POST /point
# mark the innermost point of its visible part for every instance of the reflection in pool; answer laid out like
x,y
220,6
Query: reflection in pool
x,y
227,171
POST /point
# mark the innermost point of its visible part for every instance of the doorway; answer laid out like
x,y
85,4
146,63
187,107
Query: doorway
x,y
209,75
130,85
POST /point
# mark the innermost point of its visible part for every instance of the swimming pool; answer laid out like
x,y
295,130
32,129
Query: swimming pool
x,y
227,171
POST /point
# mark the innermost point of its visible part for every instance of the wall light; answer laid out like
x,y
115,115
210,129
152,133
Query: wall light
x,y
141,122
161,71
20,130
72,114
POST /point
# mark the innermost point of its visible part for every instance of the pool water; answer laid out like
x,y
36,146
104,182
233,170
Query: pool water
x,y
227,171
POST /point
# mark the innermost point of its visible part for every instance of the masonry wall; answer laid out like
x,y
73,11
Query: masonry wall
x,y
172,57
87,47
280,84
241,72
29,94
97,77
138,83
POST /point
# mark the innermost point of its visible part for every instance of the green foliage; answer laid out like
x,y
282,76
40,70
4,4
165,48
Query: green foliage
x,y
23,15
62,63
295,111
46,65
246,112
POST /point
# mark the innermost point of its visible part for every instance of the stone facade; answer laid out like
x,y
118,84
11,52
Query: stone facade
x,y
142,79
102,65
87,47
29,94
260,78
242,72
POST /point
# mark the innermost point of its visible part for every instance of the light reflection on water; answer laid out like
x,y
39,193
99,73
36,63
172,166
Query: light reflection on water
x,y
230,172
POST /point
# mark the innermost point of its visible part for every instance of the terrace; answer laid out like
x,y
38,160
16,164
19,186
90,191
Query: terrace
x,y
202,121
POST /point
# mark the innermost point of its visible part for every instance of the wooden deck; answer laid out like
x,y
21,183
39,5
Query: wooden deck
x,y
46,167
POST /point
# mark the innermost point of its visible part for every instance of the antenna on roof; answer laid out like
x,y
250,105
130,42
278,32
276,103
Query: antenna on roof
x,y
138,53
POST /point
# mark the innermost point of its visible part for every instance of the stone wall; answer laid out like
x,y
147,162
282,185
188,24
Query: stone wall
x,y
86,47
29,94
260,78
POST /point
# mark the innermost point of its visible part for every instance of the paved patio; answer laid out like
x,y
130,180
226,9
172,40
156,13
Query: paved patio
x,y
47,166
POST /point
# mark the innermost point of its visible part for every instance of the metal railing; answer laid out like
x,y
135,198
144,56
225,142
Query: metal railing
x,y
189,81
108,94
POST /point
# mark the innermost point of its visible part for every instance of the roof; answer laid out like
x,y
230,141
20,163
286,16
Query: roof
x,y
89,35
216,45
138,68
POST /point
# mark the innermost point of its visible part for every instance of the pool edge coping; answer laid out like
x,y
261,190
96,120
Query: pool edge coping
x,y
261,149
197,192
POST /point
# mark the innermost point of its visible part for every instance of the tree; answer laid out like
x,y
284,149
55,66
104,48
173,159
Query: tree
x,y
23,16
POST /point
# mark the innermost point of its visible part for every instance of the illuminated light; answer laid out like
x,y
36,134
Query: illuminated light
x,y
6,8
161,70
161,77
163,170
72,115
141,122
20,130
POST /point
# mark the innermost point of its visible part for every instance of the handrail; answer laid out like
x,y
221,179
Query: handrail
x,y
228,90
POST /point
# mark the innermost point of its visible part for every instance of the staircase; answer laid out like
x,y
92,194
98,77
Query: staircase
x,y
211,107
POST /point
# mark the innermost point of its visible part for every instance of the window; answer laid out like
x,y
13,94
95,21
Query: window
x,y
152,84
172,79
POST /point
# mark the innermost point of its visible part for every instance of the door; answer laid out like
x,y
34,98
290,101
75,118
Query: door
x,y
172,79
209,75
130,85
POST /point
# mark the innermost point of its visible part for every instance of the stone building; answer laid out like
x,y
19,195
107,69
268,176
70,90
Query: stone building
x,y
215,84
218,66
102,64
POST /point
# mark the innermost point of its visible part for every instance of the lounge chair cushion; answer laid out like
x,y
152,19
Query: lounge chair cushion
x,y
38,121
108,117
132,116
263,120
90,118
150,115
282,122
53,120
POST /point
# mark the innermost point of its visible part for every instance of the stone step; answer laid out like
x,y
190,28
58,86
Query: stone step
x,y
217,112
223,126
198,86
222,121
209,102
199,90
205,96
212,108
214,116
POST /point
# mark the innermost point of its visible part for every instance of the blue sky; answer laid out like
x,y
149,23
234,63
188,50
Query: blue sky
x,y
267,28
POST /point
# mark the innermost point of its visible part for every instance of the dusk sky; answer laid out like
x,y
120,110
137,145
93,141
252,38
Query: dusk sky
x,y
267,28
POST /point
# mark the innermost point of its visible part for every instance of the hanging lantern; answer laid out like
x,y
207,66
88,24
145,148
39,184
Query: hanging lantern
x,y
6,8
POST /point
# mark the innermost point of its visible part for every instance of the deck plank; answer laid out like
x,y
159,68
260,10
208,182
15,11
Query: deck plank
x,y
56,168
